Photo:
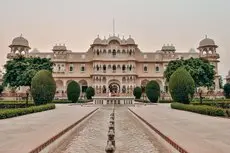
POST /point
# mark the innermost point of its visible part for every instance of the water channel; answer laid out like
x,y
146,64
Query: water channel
x,y
130,135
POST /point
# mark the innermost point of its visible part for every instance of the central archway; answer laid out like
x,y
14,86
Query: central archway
x,y
114,86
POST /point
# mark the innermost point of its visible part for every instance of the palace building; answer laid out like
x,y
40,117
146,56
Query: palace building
x,y
114,65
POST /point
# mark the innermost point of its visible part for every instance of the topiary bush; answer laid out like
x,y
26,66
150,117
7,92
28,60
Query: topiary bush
x,y
227,90
181,86
43,87
73,91
152,91
90,92
137,92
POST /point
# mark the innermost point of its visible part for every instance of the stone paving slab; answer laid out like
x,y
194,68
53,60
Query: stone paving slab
x,y
194,132
24,133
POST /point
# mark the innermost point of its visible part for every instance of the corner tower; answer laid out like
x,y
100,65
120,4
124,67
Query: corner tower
x,y
207,48
19,46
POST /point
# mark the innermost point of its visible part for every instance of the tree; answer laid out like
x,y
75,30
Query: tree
x,y
43,87
90,92
21,70
201,70
181,86
227,90
152,90
73,91
137,92
1,89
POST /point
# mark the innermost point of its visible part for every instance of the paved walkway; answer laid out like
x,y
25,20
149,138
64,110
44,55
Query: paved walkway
x,y
24,133
194,132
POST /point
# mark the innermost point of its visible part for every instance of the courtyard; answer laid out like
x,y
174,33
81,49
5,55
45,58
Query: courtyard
x,y
193,132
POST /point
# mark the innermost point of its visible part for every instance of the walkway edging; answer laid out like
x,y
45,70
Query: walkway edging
x,y
166,138
54,138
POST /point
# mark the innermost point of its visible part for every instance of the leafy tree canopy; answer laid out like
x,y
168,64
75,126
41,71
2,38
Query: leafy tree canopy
x,y
201,70
227,90
21,70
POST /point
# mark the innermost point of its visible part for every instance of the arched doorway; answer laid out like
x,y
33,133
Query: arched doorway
x,y
83,85
114,86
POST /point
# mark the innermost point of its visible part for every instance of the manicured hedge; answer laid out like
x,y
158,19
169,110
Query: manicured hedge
x,y
15,105
222,104
202,109
8,113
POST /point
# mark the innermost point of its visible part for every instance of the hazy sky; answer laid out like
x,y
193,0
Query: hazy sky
x,y
151,23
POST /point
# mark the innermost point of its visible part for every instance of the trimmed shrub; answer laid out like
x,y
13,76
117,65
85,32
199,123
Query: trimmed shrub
x,y
227,90
137,92
201,109
181,86
43,87
90,92
73,91
8,113
152,91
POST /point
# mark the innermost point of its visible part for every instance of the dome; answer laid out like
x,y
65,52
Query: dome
x,y
35,50
192,50
168,48
97,41
104,41
130,41
20,41
207,42
114,38
59,48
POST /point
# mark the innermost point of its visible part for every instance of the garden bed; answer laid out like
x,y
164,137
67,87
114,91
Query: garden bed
x,y
8,113
201,109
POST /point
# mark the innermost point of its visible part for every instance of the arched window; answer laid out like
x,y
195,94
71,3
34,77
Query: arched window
x,y
98,68
97,52
130,52
83,68
130,67
104,89
71,68
114,52
123,68
157,69
114,68
123,89
104,68
145,68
